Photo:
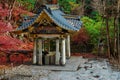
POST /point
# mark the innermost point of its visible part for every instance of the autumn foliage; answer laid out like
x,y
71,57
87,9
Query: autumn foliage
x,y
9,42
81,36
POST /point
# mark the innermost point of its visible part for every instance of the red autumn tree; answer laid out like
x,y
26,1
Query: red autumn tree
x,y
7,42
81,36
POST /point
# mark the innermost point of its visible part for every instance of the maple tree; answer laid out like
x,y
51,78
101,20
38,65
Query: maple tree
x,y
9,42
81,36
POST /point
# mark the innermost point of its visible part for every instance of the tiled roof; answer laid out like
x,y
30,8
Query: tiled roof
x,y
57,16
27,23
76,23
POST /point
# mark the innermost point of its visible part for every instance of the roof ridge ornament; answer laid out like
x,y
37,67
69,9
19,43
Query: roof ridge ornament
x,y
53,6
52,1
67,22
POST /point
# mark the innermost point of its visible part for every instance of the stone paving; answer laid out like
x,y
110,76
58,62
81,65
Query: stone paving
x,y
88,69
71,65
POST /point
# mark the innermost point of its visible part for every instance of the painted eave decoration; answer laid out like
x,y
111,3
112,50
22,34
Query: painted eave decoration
x,y
64,21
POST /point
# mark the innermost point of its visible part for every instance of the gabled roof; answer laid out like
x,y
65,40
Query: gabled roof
x,y
58,17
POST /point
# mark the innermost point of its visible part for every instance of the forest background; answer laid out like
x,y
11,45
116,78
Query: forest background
x,y
100,33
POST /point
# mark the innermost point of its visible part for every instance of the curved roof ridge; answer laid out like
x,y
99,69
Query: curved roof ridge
x,y
27,24
58,17
59,20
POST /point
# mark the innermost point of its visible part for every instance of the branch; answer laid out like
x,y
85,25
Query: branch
x,y
10,14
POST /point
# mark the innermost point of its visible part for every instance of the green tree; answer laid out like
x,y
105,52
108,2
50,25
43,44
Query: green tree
x,y
93,29
65,5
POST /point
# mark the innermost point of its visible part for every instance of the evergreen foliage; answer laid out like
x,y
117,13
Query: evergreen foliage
x,y
65,5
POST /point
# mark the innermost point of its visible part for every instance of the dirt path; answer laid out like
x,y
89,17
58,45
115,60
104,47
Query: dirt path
x,y
90,69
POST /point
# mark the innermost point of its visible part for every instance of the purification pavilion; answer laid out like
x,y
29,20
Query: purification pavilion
x,y
53,24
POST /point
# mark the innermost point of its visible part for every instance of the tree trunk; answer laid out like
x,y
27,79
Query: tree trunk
x,y
118,38
115,53
108,37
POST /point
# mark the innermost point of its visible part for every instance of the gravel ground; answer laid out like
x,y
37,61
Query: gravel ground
x,y
92,69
